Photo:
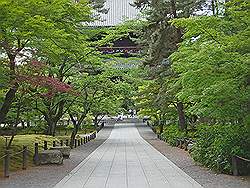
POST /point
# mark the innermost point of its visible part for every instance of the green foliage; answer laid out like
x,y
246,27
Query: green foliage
x,y
171,133
19,142
206,69
217,144
36,129
48,31
29,22
213,64
156,35
70,127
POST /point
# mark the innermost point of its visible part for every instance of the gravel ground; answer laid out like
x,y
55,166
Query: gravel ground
x,y
48,176
207,178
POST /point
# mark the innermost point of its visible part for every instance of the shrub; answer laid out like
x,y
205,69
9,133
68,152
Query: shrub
x,y
171,133
217,144
69,127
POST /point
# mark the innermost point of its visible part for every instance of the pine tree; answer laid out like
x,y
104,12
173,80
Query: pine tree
x,y
160,39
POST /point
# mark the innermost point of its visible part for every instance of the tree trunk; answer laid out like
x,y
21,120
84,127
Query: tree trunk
x,y
28,123
73,135
23,124
213,7
161,128
17,120
51,125
163,122
74,132
160,124
53,128
181,116
174,12
48,131
96,122
53,116
9,97
76,124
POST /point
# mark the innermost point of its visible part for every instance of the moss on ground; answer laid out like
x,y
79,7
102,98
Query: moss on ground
x,y
17,145
29,140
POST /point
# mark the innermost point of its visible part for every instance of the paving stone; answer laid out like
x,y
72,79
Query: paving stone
x,y
127,160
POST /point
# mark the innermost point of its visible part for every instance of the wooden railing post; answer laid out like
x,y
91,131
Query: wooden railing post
x,y
54,143
234,166
67,142
61,142
25,157
81,141
7,164
36,154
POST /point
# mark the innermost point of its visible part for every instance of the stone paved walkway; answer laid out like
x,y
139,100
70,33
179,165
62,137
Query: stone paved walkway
x,y
126,160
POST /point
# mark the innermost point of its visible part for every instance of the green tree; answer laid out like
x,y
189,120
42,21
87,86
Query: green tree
x,y
24,24
159,40
213,63
93,91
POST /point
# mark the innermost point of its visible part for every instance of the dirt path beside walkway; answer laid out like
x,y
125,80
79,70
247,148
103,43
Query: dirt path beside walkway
x,y
207,178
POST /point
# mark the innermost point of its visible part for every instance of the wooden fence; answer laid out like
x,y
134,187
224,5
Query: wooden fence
x,y
25,152
6,160
77,142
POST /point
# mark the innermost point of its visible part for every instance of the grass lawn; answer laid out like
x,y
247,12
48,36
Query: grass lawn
x,y
29,140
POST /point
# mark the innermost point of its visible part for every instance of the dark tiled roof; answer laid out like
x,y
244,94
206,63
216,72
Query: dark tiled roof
x,y
118,10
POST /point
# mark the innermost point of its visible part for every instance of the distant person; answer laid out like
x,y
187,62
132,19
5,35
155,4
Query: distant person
x,y
131,113
120,118
145,119
134,112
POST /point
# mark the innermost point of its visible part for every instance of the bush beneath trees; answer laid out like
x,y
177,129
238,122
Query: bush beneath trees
x,y
172,133
217,144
